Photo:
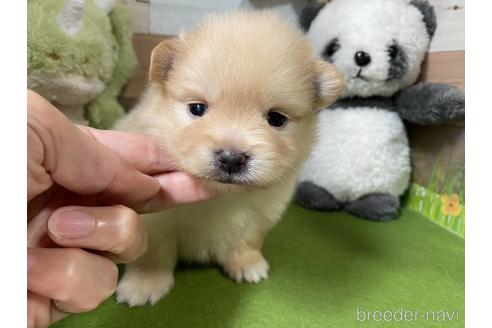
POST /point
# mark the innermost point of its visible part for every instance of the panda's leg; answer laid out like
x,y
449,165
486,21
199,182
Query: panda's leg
x,y
313,197
375,206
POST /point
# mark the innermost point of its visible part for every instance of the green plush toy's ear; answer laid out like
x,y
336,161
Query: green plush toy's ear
x,y
70,18
105,109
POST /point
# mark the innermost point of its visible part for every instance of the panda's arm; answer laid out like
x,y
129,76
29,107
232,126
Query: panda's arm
x,y
430,103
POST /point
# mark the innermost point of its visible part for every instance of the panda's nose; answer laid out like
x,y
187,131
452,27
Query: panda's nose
x,y
362,58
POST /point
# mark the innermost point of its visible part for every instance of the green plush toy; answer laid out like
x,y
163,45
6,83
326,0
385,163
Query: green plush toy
x,y
80,56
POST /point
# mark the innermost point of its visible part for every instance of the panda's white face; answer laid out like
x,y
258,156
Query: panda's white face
x,y
378,45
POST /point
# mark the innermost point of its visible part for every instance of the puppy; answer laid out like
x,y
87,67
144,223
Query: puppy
x,y
235,102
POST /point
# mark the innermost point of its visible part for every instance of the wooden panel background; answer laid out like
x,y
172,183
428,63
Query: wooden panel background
x,y
143,45
441,67
139,10
450,34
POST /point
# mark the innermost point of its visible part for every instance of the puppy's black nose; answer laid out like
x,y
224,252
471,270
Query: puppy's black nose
x,y
362,58
231,161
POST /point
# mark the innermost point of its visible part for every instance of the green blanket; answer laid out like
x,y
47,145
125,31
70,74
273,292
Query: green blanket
x,y
326,270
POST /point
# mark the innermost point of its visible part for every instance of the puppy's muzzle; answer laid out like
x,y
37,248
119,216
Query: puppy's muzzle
x,y
231,161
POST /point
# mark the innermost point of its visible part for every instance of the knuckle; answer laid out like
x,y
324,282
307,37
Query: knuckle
x,y
138,248
143,245
89,306
112,280
80,306
129,230
72,274
91,298
108,285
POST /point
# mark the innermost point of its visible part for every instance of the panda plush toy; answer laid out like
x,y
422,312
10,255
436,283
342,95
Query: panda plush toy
x,y
361,162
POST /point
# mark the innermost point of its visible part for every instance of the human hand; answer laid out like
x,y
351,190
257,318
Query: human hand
x,y
84,186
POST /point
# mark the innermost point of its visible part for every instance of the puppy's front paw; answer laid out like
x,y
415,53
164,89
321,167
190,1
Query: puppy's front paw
x,y
249,266
140,286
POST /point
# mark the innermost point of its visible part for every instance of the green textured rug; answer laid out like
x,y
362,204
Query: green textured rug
x,y
327,270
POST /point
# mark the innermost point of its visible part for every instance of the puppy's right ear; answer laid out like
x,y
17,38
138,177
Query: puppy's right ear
x,y
328,84
162,59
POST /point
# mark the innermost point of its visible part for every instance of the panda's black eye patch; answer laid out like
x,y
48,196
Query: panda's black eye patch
x,y
398,61
393,51
330,49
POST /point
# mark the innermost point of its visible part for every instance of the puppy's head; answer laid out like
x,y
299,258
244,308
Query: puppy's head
x,y
237,98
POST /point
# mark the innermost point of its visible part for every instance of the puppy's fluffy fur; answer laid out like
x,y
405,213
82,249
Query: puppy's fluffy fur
x,y
243,65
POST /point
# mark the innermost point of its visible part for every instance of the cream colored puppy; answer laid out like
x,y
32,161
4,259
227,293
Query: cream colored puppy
x,y
235,102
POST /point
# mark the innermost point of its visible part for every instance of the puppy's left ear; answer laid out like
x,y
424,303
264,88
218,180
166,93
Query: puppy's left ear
x,y
328,84
162,59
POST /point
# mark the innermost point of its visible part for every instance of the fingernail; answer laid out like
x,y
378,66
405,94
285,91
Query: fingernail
x,y
71,223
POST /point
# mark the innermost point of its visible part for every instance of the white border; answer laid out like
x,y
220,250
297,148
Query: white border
x,y
478,163
13,164
478,171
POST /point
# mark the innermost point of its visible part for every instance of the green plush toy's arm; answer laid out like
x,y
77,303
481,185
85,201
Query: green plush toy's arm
x,y
430,103
105,110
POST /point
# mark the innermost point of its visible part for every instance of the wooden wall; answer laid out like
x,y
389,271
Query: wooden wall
x,y
450,34
441,145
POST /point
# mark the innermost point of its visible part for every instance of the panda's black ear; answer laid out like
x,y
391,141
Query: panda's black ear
x,y
429,15
309,13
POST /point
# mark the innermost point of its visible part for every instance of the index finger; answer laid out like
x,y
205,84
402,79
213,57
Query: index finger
x,y
141,151
177,188
77,162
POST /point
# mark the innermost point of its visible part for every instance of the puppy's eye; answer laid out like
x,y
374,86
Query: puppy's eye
x,y
393,51
197,109
276,119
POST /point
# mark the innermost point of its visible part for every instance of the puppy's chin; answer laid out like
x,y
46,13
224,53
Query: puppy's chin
x,y
224,182
232,180
222,187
